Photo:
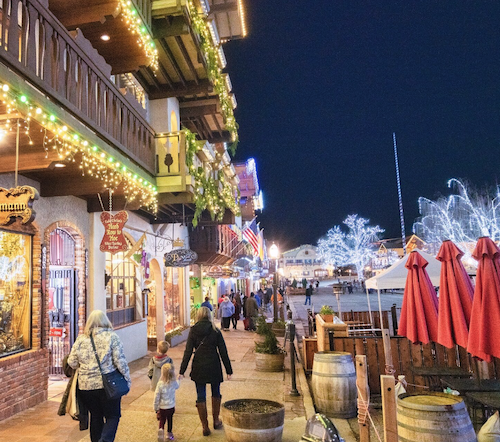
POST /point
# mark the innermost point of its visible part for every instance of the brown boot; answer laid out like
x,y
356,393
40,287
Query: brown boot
x,y
216,411
202,412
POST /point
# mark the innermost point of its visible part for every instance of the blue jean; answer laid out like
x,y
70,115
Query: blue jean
x,y
201,391
104,414
308,298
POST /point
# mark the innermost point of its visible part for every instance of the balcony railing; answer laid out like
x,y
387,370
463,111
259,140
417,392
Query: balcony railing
x,y
216,244
39,48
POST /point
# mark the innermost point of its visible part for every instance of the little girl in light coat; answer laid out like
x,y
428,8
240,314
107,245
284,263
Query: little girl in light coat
x,y
164,401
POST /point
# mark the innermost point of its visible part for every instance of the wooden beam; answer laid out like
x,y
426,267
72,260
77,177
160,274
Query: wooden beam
x,y
179,198
389,412
177,26
223,7
75,13
363,401
199,111
71,185
186,56
181,90
28,162
173,62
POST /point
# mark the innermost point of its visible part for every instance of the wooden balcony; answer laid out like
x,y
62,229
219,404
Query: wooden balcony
x,y
67,71
183,71
230,18
107,25
215,245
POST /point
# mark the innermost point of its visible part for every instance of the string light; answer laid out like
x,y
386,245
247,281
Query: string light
x,y
136,26
69,145
214,71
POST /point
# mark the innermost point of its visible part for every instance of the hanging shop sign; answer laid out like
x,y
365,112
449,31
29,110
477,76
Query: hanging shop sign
x,y
17,203
180,258
215,272
114,240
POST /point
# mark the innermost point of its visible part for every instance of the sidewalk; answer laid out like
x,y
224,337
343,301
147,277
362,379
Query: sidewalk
x,y
138,421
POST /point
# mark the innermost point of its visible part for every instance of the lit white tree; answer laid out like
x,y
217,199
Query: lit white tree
x,y
354,247
462,217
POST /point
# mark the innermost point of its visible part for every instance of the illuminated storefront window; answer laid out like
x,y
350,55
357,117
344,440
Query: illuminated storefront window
x,y
121,287
173,299
15,292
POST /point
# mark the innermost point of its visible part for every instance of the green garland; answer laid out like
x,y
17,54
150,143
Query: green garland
x,y
214,72
195,282
206,189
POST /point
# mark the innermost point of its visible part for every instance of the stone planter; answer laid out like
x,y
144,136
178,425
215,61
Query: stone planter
x,y
177,339
269,363
253,420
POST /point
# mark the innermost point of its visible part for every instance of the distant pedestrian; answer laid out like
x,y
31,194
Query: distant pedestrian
x,y
304,283
157,361
207,304
226,312
251,311
236,314
317,284
237,298
207,341
164,401
258,298
309,292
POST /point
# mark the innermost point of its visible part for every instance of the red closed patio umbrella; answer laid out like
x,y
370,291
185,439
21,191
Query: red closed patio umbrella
x,y
455,297
419,313
484,331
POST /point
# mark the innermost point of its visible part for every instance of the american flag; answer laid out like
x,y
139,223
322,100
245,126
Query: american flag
x,y
250,235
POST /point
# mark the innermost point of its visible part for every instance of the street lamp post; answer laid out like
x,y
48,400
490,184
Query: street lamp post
x,y
274,254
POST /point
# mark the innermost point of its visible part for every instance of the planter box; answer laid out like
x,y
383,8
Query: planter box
x,y
322,330
178,339
278,331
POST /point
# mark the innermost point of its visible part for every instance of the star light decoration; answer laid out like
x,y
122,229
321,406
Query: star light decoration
x,y
136,26
214,195
214,70
68,145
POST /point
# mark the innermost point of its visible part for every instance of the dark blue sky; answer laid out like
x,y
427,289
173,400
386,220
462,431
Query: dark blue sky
x,y
322,85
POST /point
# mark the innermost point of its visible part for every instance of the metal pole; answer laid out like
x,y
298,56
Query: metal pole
x,y
291,329
275,293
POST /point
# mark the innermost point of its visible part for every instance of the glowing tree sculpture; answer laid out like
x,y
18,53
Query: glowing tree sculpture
x,y
354,247
462,217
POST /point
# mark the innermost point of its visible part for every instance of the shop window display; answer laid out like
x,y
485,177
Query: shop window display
x,y
121,286
15,292
173,299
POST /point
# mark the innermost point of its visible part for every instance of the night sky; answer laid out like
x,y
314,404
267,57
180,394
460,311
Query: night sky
x,y
321,86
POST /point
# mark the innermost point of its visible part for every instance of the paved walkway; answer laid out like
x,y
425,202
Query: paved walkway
x,y
139,423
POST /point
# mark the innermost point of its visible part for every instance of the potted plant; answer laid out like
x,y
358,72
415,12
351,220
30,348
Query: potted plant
x,y
250,420
278,328
327,313
262,328
269,355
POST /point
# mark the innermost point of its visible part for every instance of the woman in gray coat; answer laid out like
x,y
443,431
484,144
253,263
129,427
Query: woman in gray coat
x,y
104,413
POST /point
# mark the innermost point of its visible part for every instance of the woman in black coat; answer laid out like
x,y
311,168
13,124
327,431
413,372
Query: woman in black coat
x,y
209,348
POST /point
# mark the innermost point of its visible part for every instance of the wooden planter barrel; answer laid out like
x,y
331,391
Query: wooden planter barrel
x,y
434,417
240,426
270,363
333,384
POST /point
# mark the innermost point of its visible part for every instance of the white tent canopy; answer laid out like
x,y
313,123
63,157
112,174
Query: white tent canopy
x,y
394,277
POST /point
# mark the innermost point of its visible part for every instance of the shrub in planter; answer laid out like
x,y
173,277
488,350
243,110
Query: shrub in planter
x,y
253,420
269,356
327,313
278,328
262,329
176,336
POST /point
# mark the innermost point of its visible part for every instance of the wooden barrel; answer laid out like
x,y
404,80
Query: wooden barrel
x,y
434,417
334,384
252,426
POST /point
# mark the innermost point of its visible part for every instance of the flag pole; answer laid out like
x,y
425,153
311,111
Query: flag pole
x,y
401,215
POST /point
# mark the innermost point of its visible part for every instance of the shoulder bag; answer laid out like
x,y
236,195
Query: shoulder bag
x,y
115,385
